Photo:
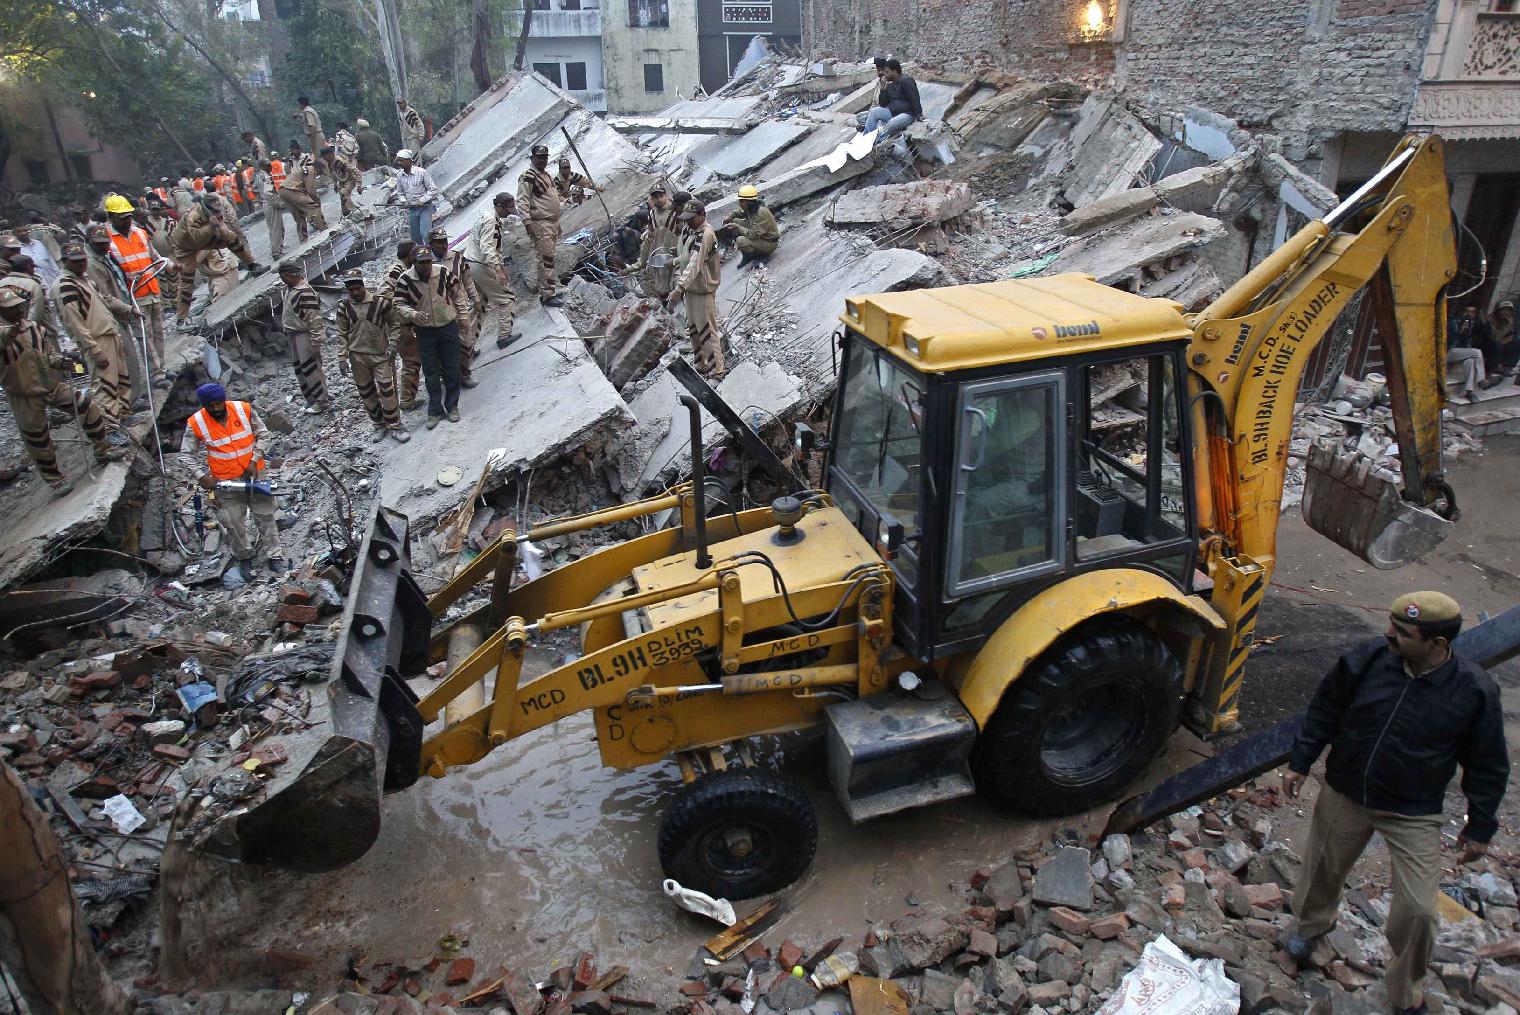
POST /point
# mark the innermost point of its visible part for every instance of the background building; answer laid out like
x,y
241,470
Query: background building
x,y
565,46
51,143
725,28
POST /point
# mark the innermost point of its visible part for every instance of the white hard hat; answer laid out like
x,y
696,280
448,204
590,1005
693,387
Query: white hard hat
x,y
361,123
406,153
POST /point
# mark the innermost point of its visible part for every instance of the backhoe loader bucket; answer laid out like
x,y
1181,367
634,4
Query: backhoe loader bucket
x,y
1347,501
328,814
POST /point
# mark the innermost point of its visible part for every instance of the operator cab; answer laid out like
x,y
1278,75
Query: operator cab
x,y
1018,432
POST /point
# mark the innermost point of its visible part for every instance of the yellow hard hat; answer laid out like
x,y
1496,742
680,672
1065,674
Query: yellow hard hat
x,y
117,205
748,192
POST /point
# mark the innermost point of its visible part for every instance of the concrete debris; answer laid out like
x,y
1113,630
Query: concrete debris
x,y
917,203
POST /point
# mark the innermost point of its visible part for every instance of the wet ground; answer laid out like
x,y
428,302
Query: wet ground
x,y
537,852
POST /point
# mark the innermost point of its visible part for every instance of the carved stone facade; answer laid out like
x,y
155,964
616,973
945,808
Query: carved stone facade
x,y
1470,78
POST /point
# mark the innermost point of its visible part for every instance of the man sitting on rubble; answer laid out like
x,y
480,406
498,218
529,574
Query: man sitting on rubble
x,y
751,227
882,97
902,107
1501,353
221,446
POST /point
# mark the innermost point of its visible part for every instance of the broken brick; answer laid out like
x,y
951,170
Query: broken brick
x,y
460,971
1106,928
270,755
789,955
1068,920
983,943
1267,896
1195,858
757,955
295,595
98,787
694,988
290,613
171,752
585,971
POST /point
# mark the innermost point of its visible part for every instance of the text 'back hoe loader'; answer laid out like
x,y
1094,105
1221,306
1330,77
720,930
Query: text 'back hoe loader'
x,y
984,594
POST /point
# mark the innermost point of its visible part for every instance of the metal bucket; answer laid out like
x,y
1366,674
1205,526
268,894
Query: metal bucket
x,y
662,267
1346,500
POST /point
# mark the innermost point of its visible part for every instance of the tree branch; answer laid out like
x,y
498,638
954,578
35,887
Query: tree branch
x,y
216,65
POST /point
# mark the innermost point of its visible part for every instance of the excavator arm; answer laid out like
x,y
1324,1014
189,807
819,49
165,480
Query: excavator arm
x,y
1394,237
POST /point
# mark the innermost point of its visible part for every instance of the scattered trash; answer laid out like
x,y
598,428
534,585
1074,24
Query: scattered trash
x,y
703,905
125,817
1167,982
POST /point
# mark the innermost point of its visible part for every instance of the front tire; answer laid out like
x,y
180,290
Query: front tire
x,y
1083,721
738,834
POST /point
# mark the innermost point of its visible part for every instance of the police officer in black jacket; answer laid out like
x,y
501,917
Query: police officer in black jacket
x,y
1399,713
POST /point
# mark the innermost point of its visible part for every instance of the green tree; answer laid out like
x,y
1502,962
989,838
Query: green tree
x,y
334,59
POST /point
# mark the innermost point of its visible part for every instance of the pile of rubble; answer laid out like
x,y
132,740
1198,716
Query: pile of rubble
x,y
1061,931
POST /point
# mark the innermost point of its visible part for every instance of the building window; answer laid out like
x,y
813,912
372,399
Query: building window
x,y
37,170
569,5
648,13
541,5
575,77
82,167
747,13
550,71
654,77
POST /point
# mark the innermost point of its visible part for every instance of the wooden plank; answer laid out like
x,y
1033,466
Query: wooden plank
x,y
730,942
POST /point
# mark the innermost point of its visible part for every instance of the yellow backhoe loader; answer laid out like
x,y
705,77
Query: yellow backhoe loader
x,y
996,588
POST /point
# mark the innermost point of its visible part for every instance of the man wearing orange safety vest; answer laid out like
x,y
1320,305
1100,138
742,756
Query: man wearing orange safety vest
x,y
222,446
132,250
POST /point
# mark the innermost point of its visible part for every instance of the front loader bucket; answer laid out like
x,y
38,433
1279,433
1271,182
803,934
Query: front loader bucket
x,y
1346,500
328,813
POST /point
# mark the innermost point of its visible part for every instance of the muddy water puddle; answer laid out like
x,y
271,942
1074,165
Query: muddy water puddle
x,y
538,852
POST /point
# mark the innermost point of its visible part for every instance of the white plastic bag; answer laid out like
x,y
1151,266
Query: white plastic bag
x,y
1167,982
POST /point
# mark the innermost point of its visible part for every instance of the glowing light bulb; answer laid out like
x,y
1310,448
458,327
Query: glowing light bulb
x,y
1095,16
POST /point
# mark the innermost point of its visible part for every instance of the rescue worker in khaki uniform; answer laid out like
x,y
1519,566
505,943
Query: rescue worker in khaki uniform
x,y
311,123
373,151
274,207
222,445
698,288
572,186
108,278
302,321
199,232
1399,714
29,368
751,227
365,323
346,145
405,335
468,297
258,151
413,130
538,203
429,297
662,234
487,256
301,196
134,253
87,314
347,178
19,278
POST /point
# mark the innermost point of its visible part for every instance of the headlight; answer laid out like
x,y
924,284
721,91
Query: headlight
x,y
911,344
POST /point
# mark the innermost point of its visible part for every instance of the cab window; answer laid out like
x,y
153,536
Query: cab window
x,y
878,445
1129,483
1006,517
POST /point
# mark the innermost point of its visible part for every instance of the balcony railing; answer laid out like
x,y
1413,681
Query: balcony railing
x,y
559,24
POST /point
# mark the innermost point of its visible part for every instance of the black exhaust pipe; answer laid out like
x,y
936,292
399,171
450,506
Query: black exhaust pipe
x,y
698,480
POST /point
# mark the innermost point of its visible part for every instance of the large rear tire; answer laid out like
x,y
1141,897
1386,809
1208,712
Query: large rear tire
x,y
1083,721
738,834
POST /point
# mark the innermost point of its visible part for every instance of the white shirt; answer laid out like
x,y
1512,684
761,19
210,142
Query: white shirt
x,y
416,187
42,259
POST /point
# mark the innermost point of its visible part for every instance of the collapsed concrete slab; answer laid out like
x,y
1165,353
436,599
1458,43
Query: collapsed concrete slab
x,y
536,401
1117,257
902,204
733,115
846,162
522,111
730,157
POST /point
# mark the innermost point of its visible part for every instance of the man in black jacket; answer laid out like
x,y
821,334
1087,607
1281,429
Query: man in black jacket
x,y
1399,713
901,104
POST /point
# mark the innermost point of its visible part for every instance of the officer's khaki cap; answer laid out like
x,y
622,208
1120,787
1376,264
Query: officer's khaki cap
x,y
1424,608
11,298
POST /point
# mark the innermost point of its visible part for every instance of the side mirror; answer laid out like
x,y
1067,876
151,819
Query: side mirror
x,y
807,439
889,537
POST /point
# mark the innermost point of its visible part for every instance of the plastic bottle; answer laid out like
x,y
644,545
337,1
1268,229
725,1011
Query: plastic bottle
x,y
835,969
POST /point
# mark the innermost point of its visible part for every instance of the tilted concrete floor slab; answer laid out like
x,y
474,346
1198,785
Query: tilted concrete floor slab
x,y
1118,255
536,401
517,115
740,155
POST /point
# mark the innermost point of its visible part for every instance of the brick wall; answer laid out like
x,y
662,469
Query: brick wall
x,y
1028,37
1304,69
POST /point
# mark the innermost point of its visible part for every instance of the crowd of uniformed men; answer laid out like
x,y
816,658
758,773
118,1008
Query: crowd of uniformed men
x,y
105,276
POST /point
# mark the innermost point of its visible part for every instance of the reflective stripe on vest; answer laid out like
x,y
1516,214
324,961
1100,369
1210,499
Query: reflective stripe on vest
x,y
135,254
229,446
276,173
